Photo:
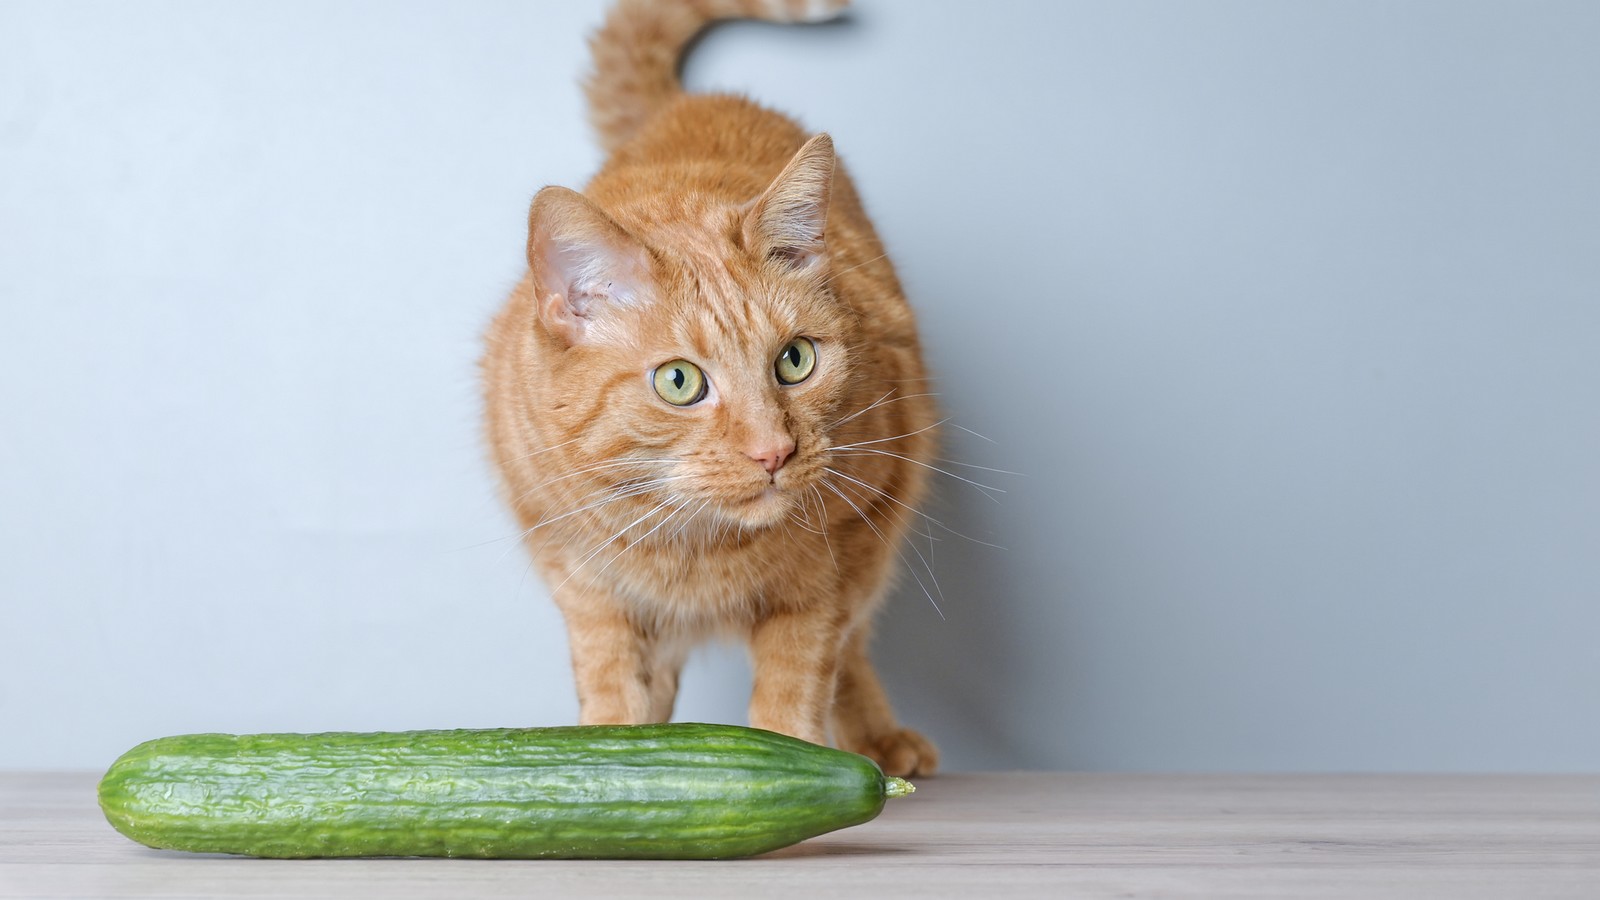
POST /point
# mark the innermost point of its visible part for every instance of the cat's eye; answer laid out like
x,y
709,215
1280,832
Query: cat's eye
x,y
795,363
680,382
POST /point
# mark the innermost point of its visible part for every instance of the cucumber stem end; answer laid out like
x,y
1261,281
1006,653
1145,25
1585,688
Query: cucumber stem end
x,y
898,787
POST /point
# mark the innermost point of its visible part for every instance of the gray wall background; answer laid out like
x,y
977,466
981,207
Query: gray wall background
x,y
1288,311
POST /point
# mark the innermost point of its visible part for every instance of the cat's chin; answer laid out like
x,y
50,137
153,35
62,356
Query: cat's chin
x,y
769,507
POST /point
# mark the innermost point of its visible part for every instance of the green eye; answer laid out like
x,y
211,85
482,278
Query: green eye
x,y
680,383
796,361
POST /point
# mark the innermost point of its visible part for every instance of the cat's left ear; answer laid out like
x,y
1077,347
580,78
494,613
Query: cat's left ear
x,y
786,222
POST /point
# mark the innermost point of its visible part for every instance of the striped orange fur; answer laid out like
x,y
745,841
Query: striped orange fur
x,y
718,233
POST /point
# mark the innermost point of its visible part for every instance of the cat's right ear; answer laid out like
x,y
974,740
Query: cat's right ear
x,y
584,265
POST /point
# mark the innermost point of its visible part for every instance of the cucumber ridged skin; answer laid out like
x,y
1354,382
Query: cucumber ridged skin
x,y
673,791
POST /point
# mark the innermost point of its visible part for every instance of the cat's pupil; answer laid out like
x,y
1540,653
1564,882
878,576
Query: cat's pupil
x,y
677,379
794,355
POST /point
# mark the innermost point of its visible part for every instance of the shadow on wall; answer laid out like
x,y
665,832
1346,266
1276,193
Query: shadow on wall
x,y
960,677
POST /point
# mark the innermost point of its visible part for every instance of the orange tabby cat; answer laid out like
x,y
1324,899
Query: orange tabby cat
x,y
707,399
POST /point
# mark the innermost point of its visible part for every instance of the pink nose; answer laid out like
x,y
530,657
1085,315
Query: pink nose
x,y
772,456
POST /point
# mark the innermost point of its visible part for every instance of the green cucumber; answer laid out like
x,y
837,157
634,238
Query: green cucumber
x,y
680,791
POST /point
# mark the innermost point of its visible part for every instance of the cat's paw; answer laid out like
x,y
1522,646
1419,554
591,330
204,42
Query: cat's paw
x,y
902,753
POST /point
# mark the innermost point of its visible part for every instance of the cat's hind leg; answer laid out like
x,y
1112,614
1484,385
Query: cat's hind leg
x,y
864,723
665,664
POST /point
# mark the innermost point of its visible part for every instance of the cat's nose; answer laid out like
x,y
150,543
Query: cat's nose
x,y
772,454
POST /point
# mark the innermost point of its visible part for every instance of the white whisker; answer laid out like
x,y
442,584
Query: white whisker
x,y
623,493
822,513
918,462
612,497
801,516
881,401
602,466
583,471
957,462
644,537
974,433
591,554
913,510
869,406
545,450
869,262
830,486
688,519
913,545
887,439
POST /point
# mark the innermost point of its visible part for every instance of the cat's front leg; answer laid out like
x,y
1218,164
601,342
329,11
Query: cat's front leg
x,y
796,659
610,663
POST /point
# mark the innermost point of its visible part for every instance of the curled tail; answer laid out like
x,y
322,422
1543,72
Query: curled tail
x,y
636,53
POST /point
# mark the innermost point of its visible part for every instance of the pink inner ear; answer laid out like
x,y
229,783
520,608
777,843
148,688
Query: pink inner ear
x,y
584,264
794,256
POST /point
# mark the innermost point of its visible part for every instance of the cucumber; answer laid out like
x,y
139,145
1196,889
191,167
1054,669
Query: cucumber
x,y
678,791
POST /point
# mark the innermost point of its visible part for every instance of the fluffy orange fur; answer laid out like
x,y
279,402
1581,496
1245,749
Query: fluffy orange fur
x,y
719,233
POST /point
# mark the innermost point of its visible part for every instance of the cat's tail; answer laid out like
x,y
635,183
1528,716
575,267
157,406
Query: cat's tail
x,y
636,53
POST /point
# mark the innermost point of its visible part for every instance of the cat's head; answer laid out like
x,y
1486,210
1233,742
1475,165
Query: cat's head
x,y
699,350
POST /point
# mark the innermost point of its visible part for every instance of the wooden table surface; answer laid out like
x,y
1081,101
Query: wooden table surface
x,y
961,835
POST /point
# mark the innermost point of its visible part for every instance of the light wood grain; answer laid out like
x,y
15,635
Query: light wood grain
x,y
975,835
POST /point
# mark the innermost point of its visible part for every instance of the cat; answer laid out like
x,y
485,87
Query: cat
x,y
707,402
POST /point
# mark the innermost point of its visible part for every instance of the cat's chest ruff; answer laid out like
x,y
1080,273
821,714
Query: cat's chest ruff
x,y
737,577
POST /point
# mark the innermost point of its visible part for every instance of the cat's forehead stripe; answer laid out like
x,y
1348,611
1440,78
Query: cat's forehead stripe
x,y
732,320
721,309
